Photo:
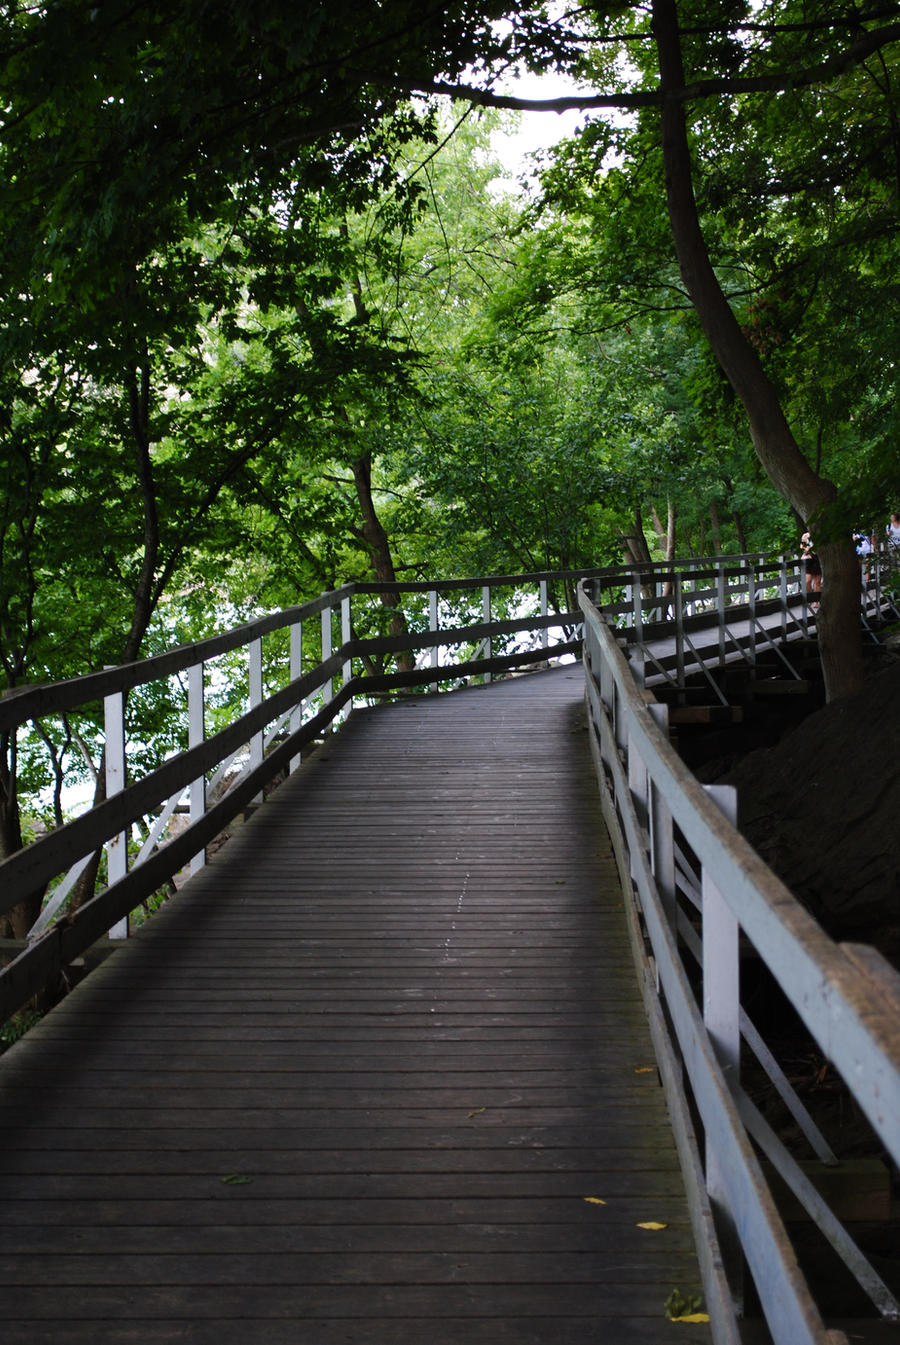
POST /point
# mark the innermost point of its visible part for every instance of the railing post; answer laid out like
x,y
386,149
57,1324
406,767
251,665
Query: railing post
x,y
256,695
662,841
116,846
328,688
637,614
196,735
486,617
722,1017
720,609
295,670
751,609
346,629
783,591
545,608
639,789
721,990
678,598
433,624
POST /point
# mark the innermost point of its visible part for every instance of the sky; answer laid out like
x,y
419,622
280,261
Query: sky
x,y
538,130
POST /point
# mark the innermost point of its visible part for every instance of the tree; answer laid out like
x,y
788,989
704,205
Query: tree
x,y
130,427
99,177
793,51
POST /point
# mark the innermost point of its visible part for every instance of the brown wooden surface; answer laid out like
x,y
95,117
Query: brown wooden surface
x,y
399,1013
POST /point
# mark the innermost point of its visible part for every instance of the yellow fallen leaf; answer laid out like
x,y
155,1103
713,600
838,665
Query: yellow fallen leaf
x,y
476,1112
594,1200
692,1317
645,1069
653,1226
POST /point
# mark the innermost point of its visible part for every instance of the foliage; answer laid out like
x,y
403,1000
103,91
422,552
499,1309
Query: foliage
x,y
15,1027
267,324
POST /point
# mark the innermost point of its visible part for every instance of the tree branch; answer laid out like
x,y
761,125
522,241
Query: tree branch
x,y
780,82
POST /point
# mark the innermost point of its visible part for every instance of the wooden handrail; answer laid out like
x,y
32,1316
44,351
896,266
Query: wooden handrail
x,y
849,1004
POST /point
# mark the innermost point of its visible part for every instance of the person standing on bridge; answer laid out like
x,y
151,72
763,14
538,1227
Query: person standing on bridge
x,y
813,565
864,548
893,538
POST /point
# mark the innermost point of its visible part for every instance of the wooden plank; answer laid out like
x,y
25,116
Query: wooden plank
x,y
230,1206
552,1299
399,1006
231,1151
640,1186
506,1330
536,1329
346,1237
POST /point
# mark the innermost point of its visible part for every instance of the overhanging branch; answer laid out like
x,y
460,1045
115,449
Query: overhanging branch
x,y
778,82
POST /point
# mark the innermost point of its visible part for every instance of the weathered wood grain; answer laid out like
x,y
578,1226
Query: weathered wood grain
x,y
355,1083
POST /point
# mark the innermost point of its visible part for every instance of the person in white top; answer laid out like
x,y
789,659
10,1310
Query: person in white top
x,y
864,549
893,532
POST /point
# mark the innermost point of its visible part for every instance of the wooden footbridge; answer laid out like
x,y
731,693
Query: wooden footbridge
x,y
388,1067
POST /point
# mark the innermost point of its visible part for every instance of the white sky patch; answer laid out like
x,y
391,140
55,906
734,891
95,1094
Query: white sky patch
x,y
537,130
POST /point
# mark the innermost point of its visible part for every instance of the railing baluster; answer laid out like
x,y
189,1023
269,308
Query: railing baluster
x,y
196,735
346,629
327,650
295,670
637,612
722,1016
116,846
662,841
433,625
678,599
751,610
486,615
721,990
257,744
545,608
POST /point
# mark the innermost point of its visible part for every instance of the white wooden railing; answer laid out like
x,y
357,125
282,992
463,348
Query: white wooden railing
x,y
457,629
697,894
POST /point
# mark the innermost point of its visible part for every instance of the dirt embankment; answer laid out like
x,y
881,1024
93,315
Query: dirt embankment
x,y
822,808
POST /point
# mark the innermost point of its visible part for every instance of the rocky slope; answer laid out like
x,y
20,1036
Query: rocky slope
x,y
822,808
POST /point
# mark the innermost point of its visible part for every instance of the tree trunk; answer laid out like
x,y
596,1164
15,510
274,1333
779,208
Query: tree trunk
x,y
670,530
778,451
139,415
377,541
634,544
666,537
738,521
658,527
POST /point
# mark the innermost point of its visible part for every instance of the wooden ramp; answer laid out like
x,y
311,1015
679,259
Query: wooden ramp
x,y
357,1082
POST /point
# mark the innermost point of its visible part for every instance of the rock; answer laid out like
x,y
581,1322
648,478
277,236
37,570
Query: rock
x,y
822,808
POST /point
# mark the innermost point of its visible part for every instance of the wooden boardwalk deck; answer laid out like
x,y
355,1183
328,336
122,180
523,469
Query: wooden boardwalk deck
x,y
355,1083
